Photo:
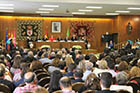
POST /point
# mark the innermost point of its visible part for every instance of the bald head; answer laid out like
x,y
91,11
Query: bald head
x,y
29,77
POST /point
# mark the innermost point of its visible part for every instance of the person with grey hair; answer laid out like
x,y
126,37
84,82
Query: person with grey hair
x,y
88,67
121,80
65,85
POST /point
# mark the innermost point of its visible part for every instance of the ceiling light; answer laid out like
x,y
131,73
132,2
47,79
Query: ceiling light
x,y
46,9
134,8
6,8
50,5
112,13
123,11
83,10
78,13
6,11
95,7
6,4
42,12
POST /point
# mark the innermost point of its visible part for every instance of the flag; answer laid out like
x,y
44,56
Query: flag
x,y
14,39
68,32
46,36
7,41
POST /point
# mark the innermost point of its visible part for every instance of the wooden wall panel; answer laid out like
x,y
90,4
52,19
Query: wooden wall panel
x,y
102,25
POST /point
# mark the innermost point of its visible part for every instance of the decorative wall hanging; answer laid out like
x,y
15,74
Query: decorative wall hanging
x,y
29,28
83,29
129,28
56,27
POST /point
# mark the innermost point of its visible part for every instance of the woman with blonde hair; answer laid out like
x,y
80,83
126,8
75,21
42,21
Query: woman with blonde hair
x,y
68,60
134,72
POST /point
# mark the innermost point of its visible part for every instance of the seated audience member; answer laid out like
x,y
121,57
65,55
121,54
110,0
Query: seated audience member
x,y
65,85
51,39
105,83
74,38
91,83
128,45
66,39
134,72
59,38
35,65
54,81
71,69
44,58
68,60
54,65
40,90
30,57
123,66
121,80
30,80
111,66
24,69
78,74
111,46
88,66
4,81
102,64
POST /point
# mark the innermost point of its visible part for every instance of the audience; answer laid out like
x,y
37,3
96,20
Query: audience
x,y
113,70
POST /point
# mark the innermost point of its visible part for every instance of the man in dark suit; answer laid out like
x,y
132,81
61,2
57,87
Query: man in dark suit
x,y
74,38
11,45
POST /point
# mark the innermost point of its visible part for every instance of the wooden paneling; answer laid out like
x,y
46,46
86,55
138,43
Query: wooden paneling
x,y
102,25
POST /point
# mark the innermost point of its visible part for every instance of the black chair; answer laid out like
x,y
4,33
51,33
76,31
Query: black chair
x,y
135,86
38,71
4,89
42,82
41,75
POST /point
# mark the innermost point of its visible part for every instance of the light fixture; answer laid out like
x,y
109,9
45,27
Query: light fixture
x,y
42,12
47,9
83,10
123,11
112,13
94,7
78,13
6,4
6,11
50,5
6,8
133,8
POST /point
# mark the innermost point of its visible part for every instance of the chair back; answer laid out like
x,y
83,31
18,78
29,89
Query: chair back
x,y
89,91
42,82
58,91
76,86
41,75
4,88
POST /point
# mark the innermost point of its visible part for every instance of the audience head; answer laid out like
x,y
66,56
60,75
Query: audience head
x,y
36,65
17,61
71,67
134,72
54,81
78,74
121,78
30,77
65,82
102,64
92,82
88,65
106,80
123,65
40,90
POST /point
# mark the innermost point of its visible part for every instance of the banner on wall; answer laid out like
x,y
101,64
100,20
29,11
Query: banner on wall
x,y
29,28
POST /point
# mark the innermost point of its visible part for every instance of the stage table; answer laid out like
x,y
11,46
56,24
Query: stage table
x,y
59,44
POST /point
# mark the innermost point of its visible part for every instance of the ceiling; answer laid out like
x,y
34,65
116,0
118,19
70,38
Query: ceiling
x,y
66,7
